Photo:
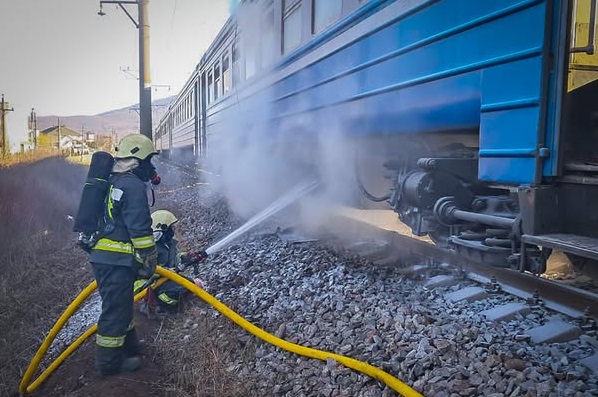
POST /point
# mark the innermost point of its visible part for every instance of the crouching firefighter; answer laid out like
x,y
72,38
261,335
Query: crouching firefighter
x,y
123,249
167,298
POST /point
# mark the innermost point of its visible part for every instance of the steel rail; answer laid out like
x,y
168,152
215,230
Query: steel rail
x,y
570,301
564,299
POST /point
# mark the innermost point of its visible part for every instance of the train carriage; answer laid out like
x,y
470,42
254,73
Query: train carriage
x,y
483,112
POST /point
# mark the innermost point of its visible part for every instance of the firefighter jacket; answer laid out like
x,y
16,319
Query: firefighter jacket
x,y
168,253
169,257
127,236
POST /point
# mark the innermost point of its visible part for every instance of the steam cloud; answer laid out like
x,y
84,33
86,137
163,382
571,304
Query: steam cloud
x,y
258,159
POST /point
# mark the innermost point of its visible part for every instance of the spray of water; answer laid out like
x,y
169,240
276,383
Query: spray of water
x,y
290,197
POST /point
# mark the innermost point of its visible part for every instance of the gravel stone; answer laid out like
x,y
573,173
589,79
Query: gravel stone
x,y
322,295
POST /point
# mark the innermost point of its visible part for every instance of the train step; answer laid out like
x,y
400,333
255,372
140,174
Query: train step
x,y
578,245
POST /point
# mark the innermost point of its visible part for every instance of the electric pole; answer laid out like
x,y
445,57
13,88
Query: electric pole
x,y
145,92
3,109
33,128
59,134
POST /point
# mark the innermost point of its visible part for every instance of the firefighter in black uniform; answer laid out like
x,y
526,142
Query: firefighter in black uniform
x,y
124,251
169,294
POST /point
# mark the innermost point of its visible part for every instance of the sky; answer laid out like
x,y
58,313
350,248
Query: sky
x,y
61,58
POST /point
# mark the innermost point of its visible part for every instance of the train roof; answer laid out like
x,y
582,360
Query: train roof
x,y
228,28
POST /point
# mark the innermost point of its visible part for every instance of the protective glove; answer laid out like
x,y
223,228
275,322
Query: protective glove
x,y
197,256
84,242
149,264
191,258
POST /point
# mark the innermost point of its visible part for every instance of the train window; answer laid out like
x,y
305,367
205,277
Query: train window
x,y
210,89
268,38
287,4
291,26
217,82
324,13
250,62
236,76
226,75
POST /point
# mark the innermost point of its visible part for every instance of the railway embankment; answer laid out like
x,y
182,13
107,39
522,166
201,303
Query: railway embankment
x,y
316,290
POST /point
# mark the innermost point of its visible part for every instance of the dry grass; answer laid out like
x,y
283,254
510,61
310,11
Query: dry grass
x,y
198,354
40,268
41,271
26,157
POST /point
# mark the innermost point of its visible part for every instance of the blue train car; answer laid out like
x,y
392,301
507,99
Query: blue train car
x,y
175,136
465,103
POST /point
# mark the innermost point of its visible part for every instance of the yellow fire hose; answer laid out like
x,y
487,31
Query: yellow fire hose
x,y
41,352
365,368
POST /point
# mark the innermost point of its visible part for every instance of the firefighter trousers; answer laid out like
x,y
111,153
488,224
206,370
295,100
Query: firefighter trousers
x,y
116,337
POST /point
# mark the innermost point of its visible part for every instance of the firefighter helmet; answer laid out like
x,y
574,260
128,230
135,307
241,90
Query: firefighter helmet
x,y
162,220
135,145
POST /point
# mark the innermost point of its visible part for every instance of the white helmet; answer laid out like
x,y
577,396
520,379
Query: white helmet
x,y
161,221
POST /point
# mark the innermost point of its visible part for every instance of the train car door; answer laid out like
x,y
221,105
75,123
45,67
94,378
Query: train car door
x,y
579,130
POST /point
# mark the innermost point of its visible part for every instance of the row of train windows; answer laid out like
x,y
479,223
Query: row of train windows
x,y
183,111
263,52
322,14
220,78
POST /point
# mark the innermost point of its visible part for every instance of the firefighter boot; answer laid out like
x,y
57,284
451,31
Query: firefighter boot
x,y
130,364
110,361
133,345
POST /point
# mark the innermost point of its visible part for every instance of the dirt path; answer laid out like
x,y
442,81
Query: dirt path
x,y
46,277
77,377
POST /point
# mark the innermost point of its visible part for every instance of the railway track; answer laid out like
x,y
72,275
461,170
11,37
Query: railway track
x,y
474,282
573,302
563,298
385,307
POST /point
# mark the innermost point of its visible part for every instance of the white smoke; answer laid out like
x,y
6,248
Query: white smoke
x,y
258,160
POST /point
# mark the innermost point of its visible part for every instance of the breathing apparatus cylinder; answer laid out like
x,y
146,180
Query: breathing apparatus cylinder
x,y
91,205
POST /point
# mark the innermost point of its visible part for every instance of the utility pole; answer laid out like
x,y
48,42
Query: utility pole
x,y
145,92
59,134
33,127
3,109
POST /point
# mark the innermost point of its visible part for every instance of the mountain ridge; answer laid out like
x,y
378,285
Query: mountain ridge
x,y
118,121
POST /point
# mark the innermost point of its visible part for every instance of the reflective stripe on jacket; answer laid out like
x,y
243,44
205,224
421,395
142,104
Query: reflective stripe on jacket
x,y
127,209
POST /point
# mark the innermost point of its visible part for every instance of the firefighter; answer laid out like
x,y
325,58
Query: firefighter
x,y
125,250
169,294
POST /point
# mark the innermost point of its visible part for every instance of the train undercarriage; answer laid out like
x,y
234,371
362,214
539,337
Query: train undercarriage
x,y
440,196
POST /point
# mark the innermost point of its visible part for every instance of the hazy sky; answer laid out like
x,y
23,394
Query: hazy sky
x,y
62,58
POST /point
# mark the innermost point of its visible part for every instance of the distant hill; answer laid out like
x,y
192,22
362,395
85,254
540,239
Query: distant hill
x,y
122,120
